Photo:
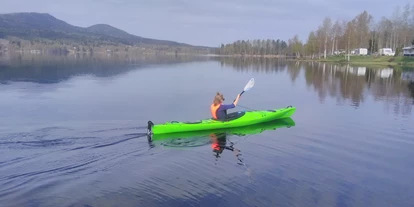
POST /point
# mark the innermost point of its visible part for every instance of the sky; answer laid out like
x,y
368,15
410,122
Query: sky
x,y
206,22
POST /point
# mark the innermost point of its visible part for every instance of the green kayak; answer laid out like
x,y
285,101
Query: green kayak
x,y
235,119
238,131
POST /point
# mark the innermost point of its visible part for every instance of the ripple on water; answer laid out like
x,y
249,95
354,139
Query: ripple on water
x,y
356,147
44,158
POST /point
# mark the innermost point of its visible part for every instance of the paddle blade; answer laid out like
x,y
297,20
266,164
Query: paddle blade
x,y
249,85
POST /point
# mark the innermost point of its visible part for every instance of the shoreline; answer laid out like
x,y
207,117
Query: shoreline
x,y
374,61
370,61
399,61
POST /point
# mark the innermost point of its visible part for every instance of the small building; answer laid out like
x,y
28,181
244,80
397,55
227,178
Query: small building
x,y
35,51
361,51
386,52
408,51
339,52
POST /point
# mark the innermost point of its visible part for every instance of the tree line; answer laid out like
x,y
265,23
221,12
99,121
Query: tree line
x,y
64,46
340,36
254,47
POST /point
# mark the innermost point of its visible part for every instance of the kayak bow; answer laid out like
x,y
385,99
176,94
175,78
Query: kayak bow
x,y
235,119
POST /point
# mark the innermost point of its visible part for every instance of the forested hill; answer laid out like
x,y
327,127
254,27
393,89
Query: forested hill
x,y
41,28
107,30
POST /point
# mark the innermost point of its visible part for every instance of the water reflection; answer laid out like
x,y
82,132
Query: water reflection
x,y
256,64
411,88
219,144
97,156
357,84
217,138
345,83
409,76
53,69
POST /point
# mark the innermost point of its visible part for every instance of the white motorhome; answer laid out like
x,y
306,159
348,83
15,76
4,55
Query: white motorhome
x,y
386,52
361,51
408,51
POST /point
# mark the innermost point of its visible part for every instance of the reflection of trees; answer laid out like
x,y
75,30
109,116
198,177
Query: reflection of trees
x,y
344,83
52,69
411,88
336,82
294,70
257,64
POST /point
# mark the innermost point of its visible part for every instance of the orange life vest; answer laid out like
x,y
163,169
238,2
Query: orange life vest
x,y
214,110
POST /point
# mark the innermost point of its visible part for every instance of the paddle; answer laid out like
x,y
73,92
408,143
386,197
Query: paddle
x,y
248,86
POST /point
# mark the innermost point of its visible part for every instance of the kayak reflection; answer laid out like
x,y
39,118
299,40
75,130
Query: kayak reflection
x,y
219,144
219,139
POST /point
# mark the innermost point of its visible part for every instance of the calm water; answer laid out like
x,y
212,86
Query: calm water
x,y
72,133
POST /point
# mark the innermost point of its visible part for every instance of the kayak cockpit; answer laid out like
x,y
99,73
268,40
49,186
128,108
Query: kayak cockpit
x,y
229,117
232,116
192,122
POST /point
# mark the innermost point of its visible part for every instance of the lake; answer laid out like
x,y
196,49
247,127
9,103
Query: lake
x,y
73,133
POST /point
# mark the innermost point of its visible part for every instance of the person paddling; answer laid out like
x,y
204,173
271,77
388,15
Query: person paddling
x,y
218,109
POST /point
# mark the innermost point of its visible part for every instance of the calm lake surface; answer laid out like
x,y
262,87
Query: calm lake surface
x,y
73,133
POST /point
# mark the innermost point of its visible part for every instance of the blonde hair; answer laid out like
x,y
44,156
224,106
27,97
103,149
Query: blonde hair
x,y
218,99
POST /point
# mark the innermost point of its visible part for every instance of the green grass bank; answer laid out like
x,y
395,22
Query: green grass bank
x,y
380,61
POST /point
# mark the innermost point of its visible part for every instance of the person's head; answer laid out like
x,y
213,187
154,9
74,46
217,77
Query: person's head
x,y
218,99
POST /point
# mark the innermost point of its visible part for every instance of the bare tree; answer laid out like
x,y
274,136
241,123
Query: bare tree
x,y
350,33
312,44
295,45
335,32
326,28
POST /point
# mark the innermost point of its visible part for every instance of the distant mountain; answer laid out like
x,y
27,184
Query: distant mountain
x,y
36,25
108,30
32,26
39,21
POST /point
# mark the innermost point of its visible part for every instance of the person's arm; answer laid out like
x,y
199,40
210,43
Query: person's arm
x,y
230,106
227,106
237,100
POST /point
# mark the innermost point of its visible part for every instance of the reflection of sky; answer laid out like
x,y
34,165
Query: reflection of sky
x,y
342,149
184,92
126,96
